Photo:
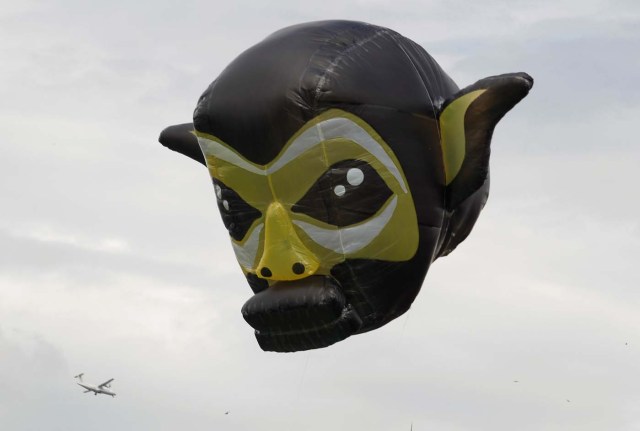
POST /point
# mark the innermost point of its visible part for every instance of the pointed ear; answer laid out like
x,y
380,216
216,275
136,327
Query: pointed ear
x,y
466,124
181,138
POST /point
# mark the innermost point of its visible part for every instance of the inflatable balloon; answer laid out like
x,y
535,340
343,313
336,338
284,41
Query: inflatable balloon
x,y
344,161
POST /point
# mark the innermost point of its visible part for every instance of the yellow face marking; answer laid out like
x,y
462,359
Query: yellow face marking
x,y
453,133
391,234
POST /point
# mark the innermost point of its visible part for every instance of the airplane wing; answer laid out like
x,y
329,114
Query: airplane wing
x,y
105,384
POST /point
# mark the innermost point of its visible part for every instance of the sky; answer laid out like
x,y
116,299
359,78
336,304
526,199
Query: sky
x,y
114,261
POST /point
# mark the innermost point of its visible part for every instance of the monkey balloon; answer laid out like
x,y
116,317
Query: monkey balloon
x,y
344,162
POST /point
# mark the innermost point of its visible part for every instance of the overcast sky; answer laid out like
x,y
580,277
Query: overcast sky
x,y
114,261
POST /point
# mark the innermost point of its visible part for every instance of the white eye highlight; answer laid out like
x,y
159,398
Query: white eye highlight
x,y
218,192
355,176
339,190
225,204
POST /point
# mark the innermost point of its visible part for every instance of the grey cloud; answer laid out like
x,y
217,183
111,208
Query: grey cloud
x,y
80,265
34,370
543,291
581,68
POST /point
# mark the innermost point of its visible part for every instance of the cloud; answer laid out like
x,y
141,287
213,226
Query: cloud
x,y
114,261
32,368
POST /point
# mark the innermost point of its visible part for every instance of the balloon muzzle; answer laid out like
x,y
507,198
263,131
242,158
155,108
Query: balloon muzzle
x,y
301,315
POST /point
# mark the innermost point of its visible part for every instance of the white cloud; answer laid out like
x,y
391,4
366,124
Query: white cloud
x,y
47,234
114,261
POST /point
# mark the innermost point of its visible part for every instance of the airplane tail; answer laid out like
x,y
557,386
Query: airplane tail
x,y
79,376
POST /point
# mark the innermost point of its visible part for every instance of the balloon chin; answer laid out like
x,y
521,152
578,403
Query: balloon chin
x,y
304,314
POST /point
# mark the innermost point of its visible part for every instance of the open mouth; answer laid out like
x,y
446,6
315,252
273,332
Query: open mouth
x,y
301,315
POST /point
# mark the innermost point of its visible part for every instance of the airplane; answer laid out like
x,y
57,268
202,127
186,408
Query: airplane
x,y
100,389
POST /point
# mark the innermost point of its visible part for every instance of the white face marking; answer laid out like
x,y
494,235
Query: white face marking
x,y
355,176
246,253
333,128
214,148
345,240
350,239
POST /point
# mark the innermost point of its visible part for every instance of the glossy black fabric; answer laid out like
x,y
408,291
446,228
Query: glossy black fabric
x,y
298,72
271,90
358,203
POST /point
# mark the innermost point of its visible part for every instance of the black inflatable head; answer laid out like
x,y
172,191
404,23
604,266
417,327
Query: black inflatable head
x,y
344,161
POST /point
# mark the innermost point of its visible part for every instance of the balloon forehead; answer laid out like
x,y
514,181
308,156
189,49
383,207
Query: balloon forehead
x,y
271,90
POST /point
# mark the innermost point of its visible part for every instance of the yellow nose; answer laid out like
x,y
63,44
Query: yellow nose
x,y
284,256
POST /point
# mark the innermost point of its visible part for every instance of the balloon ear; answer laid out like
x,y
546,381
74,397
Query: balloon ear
x,y
466,124
181,138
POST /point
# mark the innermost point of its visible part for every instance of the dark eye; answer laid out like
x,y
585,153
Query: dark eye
x,y
349,192
237,215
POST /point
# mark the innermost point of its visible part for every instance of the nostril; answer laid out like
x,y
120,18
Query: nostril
x,y
265,272
297,268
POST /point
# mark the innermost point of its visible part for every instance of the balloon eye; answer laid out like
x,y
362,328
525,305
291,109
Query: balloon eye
x,y
349,192
237,215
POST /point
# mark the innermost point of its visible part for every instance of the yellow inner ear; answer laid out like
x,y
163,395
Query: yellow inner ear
x,y
452,133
